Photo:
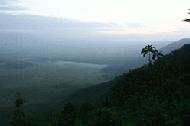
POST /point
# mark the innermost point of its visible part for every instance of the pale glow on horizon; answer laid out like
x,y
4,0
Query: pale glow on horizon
x,y
131,16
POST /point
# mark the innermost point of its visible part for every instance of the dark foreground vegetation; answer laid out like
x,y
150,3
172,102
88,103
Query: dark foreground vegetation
x,y
157,94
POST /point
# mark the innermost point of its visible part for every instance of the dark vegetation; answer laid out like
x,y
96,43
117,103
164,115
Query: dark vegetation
x,y
153,95
187,20
18,118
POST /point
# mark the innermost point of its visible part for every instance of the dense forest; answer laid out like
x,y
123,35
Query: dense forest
x,y
157,94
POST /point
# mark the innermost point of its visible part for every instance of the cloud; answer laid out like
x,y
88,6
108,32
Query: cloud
x,y
7,2
51,27
135,25
58,29
10,5
11,8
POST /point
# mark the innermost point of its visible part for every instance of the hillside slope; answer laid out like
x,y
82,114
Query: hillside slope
x,y
153,95
175,45
147,96
100,90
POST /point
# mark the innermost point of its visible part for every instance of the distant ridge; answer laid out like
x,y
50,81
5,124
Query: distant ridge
x,y
99,92
175,45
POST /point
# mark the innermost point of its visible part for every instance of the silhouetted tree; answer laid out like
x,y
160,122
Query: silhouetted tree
x,y
187,20
148,50
152,52
19,116
157,55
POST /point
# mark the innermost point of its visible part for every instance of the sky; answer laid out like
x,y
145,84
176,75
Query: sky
x,y
137,17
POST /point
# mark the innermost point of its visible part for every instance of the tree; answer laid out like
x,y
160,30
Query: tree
x,y
148,50
152,52
68,116
19,116
187,20
156,55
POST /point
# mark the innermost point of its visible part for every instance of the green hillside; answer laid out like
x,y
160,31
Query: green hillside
x,y
156,95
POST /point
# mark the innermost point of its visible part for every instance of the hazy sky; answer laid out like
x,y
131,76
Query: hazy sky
x,y
131,16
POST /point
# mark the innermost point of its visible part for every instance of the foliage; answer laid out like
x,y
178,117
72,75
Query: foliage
x,y
152,53
187,20
19,115
159,96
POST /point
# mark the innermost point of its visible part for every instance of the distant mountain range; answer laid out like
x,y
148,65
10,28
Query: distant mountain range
x,y
175,45
97,92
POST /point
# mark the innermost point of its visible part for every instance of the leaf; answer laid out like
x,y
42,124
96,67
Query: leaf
x,y
187,20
